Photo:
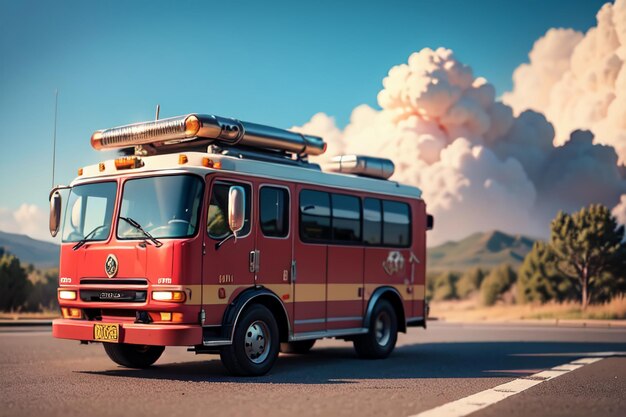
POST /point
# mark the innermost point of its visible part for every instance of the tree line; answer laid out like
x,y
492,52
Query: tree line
x,y
584,260
25,288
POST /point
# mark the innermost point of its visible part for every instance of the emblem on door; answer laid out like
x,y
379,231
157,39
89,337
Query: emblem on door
x,y
110,266
394,262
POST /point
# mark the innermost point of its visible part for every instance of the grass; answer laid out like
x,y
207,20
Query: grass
x,y
42,315
471,310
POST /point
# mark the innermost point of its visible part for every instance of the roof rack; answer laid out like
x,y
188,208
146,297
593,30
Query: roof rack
x,y
200,130
225,136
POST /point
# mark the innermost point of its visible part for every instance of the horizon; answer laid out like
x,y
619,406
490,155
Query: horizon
x,y
335,71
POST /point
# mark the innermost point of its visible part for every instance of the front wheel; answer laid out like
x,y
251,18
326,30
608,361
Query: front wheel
x,y
133,356
255,343
381,338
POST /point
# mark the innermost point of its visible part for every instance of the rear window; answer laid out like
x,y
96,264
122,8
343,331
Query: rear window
x,y
396,224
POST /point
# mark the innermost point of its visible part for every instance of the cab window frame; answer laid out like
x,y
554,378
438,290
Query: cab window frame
x,y
120,197
287,213
249,189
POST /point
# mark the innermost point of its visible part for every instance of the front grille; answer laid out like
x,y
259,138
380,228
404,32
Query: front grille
x,y
115,296
113,281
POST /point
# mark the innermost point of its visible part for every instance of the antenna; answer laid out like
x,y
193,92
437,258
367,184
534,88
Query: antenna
x,y
54,135
158,110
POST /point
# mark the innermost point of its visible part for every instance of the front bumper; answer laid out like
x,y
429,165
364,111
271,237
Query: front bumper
x,y
133,333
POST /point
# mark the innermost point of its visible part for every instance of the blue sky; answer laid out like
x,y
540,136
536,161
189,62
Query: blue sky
x,y
276,63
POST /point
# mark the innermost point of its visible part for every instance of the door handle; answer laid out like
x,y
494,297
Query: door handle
x,y
293,271
254,260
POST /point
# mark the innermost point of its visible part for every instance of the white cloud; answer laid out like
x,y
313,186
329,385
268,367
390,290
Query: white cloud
x,y
480,167
579,81
28,219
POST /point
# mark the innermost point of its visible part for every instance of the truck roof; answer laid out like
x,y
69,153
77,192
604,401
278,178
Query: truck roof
x,y
203,163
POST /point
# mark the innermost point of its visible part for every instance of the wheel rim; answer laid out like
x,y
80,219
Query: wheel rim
x,y
257,342
382,328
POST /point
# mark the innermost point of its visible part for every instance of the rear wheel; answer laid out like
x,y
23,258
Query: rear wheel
x,y
301,346
381,338
133,356
255,343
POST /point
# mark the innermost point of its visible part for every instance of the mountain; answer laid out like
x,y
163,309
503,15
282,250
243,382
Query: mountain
x,y
486,250
30,251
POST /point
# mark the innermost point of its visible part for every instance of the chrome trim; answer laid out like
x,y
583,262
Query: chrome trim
x,y
327,333
223,130
309,321
368,166
337,319
217,342
415,320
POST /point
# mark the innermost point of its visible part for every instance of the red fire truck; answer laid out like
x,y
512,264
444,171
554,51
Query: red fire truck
x,y
222,236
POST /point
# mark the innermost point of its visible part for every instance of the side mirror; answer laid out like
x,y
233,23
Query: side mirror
x,y
236,208
55,213
430,222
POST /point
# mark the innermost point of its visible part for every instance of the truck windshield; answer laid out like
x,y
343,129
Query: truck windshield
x,y
165,207
89,211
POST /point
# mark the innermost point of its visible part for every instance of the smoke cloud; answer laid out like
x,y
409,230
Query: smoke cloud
x,y
480,164
579,80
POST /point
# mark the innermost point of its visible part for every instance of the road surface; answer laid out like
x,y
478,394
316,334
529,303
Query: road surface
x,y
447,367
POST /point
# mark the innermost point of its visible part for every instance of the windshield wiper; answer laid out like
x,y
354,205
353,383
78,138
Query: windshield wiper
x,y
86,238
137,226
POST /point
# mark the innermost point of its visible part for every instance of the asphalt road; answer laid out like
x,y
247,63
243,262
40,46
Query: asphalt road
x,y
42,376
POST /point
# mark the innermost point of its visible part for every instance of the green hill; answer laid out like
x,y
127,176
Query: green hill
x,y
480,249
30,251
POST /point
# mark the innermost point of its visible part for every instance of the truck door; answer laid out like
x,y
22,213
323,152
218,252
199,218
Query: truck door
x,y
226,269
312,214
344,303
274,236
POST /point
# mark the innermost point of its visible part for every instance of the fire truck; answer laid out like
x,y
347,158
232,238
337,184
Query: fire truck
x,y
222,236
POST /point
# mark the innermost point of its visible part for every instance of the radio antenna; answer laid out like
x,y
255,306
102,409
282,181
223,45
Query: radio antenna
x,y
54,134
158,110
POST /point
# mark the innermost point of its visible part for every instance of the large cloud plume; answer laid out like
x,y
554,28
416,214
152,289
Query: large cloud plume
x,y
27,219
479,166
579,80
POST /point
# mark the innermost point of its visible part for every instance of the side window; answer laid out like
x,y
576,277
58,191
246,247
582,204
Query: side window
x,y
372,222
274,211
217,219
396,224
346,218
314,216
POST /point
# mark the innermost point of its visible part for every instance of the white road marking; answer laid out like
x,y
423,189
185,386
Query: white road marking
x,y
478,401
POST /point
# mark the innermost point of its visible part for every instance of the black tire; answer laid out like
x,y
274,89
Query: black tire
x,y
301,346
249,354
379,342
133,356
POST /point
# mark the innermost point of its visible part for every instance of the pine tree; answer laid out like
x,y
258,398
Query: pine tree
x,y
588,250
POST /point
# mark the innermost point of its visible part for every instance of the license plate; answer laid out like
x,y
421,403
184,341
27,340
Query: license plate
x,y
106,332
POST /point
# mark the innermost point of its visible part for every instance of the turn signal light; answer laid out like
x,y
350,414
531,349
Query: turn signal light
x,y
72,313
67,295
128,162
101,166
169,316
173,296
182,159
80,172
